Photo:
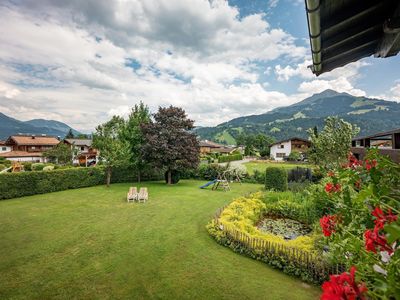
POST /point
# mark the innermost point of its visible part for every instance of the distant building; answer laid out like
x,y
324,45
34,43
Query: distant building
x,y
28,148
83,153
281,150
4,148
208,147
387,142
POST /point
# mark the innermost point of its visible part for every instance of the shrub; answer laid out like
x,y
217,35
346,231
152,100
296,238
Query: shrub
x,y
227,158
2,167
20,184
276,179
27,166
209,172
297,187
48,168
299,174
294,156
38,166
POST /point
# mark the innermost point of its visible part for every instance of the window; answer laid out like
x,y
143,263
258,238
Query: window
x,y
82,148
281,146
3,148
280,155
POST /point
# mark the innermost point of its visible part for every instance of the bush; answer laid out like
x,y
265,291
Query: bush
x,y
37,166
2,167
20,184
27,166
297,187
228,158
209,172
299,174
276,179
48,168
294,156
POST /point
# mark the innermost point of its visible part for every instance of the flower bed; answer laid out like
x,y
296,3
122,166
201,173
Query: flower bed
x,y
234,226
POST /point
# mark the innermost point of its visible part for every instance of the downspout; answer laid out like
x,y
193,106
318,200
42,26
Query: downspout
x,y
314,29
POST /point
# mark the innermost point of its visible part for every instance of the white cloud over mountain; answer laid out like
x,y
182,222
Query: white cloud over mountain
x,y
81,61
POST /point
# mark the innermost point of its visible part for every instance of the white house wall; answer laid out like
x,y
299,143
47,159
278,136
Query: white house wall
x,y
287,148
4,149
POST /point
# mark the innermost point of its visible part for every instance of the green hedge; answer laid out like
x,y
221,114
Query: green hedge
x,y
227,158
276,179
21,184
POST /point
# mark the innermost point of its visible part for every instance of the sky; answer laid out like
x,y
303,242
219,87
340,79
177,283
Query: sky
x,y
81,62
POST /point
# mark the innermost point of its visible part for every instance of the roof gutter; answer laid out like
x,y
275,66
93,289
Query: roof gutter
x,y
314,29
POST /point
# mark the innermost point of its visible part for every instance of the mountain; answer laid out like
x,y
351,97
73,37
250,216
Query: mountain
x,y
371,115
10,126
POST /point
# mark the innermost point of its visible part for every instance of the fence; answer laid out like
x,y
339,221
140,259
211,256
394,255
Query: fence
x,y
310,265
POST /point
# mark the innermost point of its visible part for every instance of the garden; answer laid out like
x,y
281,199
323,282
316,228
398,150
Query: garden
x,y
89,243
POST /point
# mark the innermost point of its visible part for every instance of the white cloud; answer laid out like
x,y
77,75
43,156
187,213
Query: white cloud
x,y
67,60
395,91
340,84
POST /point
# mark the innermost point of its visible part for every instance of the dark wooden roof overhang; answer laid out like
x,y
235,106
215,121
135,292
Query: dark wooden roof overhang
x,y
343,31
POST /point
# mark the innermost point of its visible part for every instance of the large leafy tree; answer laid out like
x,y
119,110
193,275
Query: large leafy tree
x,y
169,142
253,143
60,154
133,134
331,146
114,150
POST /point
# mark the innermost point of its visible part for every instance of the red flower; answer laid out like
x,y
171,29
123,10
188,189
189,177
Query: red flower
x,y
330,187
353,162
374,241
343,287
370,164
331,174
381,219
328,224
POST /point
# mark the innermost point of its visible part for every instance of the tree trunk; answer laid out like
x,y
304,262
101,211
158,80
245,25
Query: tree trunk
x,y
139,176
169,176
108,176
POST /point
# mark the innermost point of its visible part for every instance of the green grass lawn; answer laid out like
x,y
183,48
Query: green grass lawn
x,y
91,244
260,166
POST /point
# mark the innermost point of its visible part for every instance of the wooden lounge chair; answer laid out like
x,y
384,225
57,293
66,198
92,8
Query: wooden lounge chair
x,y
132,194
143,194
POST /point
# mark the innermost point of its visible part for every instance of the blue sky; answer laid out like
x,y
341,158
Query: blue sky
x,y
82,61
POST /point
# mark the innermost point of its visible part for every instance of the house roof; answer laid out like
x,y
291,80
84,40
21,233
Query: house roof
x,y
20,154
378,134
348,30
210,144
291,139
2,143
79,142
33,140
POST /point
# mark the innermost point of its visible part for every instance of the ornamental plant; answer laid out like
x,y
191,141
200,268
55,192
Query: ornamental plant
x,y
366,196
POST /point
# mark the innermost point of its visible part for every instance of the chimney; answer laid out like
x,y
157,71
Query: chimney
x,y
33,136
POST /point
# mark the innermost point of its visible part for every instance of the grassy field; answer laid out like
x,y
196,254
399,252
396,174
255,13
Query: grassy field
x,y
261,165
91,244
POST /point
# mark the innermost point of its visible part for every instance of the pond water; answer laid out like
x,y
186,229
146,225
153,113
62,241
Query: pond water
x,y
287,228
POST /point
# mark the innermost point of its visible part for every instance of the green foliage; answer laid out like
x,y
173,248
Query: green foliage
x,y
255,142
276,179
170,144
209,172
27,166
294,156
37,166
114,150
133,135
2,167
175,177
227,158
331,146
48,168
70,134
364,187
20,184
60,154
